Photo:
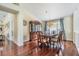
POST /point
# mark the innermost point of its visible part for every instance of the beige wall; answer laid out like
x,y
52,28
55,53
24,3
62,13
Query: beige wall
x,y
26,28
68,25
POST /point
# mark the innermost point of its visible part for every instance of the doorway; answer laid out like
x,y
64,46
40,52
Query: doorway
x,y
35,29
7,32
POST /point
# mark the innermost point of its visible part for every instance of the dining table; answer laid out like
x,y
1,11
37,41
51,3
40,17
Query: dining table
x,y
48,38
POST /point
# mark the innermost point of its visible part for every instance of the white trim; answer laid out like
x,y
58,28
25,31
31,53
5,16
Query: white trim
x,y
18,44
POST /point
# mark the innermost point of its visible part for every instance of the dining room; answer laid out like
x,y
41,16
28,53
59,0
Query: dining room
x,y
44,33
54,34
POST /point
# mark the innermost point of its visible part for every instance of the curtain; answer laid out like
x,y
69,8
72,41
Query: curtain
x,y
62,27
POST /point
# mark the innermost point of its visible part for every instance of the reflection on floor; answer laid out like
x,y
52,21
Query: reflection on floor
x,y
70,49
31,49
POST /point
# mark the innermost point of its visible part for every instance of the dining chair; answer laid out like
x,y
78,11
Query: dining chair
x,y
56,40
43,41
2,40
59,42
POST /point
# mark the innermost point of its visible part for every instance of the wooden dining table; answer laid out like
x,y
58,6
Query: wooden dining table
x,y
48,38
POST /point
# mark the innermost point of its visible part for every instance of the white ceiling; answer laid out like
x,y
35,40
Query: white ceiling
x,y
48,11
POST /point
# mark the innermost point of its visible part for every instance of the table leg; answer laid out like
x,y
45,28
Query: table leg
x,y
50,42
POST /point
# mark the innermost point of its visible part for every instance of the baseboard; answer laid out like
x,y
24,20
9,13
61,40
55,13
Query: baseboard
x,y
68,41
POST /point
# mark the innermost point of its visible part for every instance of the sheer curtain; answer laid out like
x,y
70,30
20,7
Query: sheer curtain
x,y
62,27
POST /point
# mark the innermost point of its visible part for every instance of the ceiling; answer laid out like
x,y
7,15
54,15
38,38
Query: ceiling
x,y
49,11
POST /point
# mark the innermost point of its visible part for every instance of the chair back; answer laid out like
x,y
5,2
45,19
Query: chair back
x,y
60,36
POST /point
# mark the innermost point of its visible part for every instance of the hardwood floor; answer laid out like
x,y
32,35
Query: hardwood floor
x,y
31,49
70,49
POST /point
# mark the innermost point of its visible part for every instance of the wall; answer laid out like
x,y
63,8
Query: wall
x,y
68,25
26,28
76,28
